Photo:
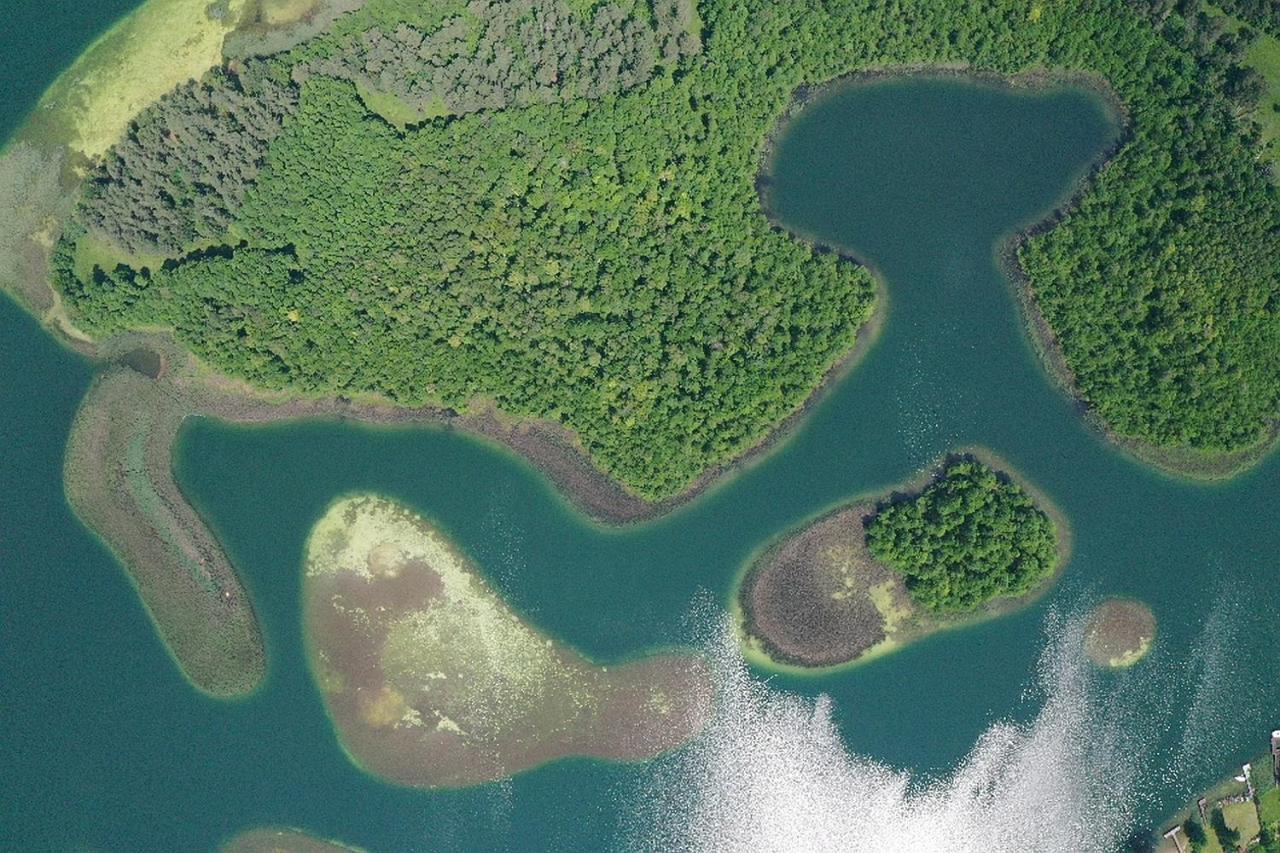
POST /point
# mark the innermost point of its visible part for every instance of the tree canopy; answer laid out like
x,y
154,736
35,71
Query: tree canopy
x,y
574,232
969,537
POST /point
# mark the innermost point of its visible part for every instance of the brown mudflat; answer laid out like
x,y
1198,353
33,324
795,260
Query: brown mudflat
x,y
1120,633
808,602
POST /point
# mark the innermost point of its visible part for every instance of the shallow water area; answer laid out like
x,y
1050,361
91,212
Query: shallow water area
x,y
432,681
921,178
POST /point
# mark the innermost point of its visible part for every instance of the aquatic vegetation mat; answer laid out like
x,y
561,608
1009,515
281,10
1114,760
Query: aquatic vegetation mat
x,y
1119,633
432,680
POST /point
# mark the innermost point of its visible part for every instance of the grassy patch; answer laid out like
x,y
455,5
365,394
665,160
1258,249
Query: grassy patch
x,y
1243,818
1269,807
1264,57
395,111
162,44
93,252
276,13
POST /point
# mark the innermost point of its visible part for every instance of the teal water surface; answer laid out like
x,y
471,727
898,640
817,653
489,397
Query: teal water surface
x,y
106,747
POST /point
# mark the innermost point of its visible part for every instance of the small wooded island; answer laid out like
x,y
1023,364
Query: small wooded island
x,y
962,543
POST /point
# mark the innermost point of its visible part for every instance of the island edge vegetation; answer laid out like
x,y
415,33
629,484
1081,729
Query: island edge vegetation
x,y
964,541
659,377
579,240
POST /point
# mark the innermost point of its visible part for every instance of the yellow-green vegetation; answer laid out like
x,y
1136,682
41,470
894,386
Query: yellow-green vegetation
x,y
1119,633
1264,57
120,482
93,252
1269,807
819,597
161,44
432,680
1242,818
395,111
277,13
283,840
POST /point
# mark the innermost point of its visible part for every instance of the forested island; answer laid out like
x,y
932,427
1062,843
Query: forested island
x,y
962,542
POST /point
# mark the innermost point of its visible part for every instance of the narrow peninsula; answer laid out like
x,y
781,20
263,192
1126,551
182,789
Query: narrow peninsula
x,y
433,681
961,543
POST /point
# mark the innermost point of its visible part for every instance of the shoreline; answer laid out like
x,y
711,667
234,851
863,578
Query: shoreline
x,y
374,567
197,389
550,447
1185,462
920,623
557,452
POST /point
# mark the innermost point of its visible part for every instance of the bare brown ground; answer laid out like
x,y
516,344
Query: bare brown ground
x,y
807,600
818,598
282,840
1119,632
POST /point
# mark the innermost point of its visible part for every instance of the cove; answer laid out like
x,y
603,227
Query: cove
x,y
920,178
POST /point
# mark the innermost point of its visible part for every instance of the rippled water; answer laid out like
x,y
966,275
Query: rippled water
x,y
973,739
774,773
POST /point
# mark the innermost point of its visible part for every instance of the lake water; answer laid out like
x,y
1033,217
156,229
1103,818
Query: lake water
x,y
106,747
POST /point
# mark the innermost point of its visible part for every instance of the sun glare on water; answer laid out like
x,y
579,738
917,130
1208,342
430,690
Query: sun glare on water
x,y
772,773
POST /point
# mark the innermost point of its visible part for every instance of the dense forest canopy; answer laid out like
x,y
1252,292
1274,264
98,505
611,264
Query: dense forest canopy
x,y
178,177
574,232
966,539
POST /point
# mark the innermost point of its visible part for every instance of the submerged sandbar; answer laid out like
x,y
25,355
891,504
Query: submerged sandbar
x,y
273,839
1120,633
432,680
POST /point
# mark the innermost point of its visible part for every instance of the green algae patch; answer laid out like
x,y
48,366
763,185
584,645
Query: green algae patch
x,y
432,680
819,598
272,839
1120,633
